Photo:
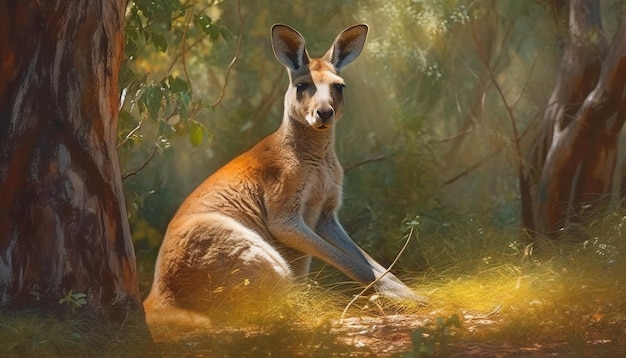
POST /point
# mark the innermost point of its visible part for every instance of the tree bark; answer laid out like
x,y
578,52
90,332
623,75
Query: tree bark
x,y
63,221
572,161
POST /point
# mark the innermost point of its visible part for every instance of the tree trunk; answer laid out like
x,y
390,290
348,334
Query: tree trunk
x,y
572,161
63,222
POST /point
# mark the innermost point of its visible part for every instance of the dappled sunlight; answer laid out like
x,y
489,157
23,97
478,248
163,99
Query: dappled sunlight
x,y
449,154
565,297
562,297
440,110
563,292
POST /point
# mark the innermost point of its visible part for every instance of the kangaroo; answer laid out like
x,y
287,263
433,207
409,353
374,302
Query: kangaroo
x,y
257,221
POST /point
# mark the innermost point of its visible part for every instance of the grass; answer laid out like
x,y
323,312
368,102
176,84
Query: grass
x,y
28,334
570,292
567,297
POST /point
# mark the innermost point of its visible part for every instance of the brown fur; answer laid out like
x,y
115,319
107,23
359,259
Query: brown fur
x,y
253,225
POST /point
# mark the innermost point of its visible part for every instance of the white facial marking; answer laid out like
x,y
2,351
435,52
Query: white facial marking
x,y
322,101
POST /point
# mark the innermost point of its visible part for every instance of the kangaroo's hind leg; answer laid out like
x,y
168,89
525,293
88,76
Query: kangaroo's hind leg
x,y
210,259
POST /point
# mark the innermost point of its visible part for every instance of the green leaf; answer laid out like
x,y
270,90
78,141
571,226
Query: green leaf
x,y
153,97
212,29
126,76
165,132
427,349
205,23
226,34
417,337
454,321
159,42
177,84
196,135
183,105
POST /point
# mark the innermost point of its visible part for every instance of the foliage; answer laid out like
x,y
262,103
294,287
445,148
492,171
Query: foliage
x,y
425,133
29,334
163,95
403,137
159,104
427,340
74,300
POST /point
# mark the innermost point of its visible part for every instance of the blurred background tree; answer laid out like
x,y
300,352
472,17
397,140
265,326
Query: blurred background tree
x,y
573,166
439,109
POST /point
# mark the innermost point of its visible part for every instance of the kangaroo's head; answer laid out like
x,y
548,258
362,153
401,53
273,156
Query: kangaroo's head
x,y
315,93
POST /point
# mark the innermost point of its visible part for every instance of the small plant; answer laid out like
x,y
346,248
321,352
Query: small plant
x,y
74,300
425,340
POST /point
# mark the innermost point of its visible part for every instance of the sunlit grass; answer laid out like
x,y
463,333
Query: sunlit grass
x,y
569,293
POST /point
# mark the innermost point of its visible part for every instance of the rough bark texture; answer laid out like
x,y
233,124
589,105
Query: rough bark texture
x,y
63,224
573,158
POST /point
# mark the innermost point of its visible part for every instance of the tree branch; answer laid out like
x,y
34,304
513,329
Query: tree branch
x,y
365,161
360,294
129,135
184,44
143,165
232,62
470,169
509,110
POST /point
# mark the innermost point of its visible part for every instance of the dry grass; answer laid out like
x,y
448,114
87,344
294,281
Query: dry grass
x,y
567,297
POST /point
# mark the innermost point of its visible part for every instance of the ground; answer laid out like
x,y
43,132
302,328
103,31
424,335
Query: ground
x,y
378,336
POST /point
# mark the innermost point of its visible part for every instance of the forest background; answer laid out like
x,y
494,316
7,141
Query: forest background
x,y
442,111
436,108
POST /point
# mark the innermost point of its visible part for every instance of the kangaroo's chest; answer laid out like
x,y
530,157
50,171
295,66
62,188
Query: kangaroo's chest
x,y
321,191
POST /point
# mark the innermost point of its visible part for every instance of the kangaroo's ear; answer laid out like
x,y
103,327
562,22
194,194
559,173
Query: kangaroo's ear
x,y
288,46
347,46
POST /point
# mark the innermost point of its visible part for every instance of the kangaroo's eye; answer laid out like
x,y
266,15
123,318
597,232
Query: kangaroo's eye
x,y
300,87
339,87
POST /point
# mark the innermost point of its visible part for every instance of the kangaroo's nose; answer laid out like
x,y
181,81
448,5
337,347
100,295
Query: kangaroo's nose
x,y
325,114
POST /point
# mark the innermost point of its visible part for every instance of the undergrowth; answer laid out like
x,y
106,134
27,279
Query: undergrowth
x,y
31,334
570,292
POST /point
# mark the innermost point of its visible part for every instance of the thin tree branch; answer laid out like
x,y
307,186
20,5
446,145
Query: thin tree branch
x,y
194,44
360,294
520,163
521,93
471,168
184,40
134,172
129,135
459,134
365,161
186,48
500,93
232,62
266,103
483,160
